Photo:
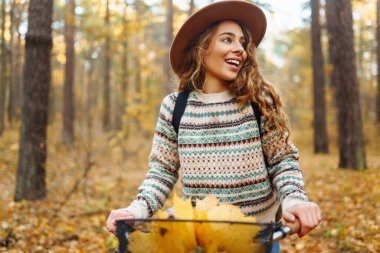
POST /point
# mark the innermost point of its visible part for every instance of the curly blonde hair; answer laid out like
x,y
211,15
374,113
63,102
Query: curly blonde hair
x,y
248,86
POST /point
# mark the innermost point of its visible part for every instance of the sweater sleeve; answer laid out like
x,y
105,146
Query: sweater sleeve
x,y
163,165
284,170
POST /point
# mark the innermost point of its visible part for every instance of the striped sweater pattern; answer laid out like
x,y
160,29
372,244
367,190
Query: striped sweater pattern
x,y
220,152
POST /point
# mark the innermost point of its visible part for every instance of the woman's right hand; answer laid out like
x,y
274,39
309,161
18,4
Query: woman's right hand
x,y
118,214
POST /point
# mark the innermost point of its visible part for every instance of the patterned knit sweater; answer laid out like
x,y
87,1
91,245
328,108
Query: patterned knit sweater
x,y
220,153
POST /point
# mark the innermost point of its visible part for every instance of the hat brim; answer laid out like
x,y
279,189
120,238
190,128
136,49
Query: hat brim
x,y
244,12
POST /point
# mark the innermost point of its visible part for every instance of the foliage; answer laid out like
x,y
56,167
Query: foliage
x,y
210,237
349,199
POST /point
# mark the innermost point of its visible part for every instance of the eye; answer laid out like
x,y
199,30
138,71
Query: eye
x,y
227,40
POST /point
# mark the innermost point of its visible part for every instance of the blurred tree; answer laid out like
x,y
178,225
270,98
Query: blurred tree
x,y
365,48
9,73
90,35
139,7
169,82
16,13
121,106
89,100
3,67
331,24
378,60
68,93
30,181
107,69
320,128
351,143
293,77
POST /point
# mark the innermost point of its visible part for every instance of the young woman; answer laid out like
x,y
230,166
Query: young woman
x,y
219,145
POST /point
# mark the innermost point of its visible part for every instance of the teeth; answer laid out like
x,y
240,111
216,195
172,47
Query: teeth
x,y
235,62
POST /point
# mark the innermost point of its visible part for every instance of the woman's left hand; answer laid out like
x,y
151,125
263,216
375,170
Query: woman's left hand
x,y
308,214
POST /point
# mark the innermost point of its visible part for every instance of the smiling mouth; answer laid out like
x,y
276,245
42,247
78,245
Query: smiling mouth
x,y
233,62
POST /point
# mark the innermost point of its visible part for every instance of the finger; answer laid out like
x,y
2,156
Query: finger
x,y
123,215
310,222
317,213
111,223
304,224
110,228
289,217
311,215
312,218
119,214
315,217
116,214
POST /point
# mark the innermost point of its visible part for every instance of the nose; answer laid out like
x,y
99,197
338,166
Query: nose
x,y
238,48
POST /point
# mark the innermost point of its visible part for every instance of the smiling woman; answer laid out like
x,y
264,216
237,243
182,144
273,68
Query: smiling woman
x,y
225,57
230,136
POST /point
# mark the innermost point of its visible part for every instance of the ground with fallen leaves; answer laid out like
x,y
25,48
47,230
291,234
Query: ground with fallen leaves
x,y
349,199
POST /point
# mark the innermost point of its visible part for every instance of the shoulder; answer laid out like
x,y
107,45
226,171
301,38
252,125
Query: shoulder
x,y
168,104
170,99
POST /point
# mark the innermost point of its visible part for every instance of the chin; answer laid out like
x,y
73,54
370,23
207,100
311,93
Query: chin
x,y
231,79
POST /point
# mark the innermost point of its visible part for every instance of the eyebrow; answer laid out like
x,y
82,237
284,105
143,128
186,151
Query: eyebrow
x,y
231,34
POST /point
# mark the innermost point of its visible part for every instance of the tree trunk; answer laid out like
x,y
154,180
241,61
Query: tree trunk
x,y
30,182
361,61
169,38
17,72
331,27
137,56
11,105
8,74
106,84
351,143
378,60
68,99
90,99
3,68
320,128
122,105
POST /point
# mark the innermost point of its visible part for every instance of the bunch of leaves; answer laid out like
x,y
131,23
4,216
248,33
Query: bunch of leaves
x,y
209,237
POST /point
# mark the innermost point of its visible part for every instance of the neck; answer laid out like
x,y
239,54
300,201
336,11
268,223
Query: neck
x,y
213,86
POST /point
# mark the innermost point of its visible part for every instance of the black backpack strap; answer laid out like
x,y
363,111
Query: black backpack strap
x,y
179,108
258,114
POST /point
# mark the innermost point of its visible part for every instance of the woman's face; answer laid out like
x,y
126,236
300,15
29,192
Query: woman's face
x,y
227,53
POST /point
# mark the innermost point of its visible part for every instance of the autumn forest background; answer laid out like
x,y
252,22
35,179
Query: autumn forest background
x,y
81,83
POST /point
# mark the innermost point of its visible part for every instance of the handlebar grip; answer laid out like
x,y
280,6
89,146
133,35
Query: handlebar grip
x,y
287,229
295,226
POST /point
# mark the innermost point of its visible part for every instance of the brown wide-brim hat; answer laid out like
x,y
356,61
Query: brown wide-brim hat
x,y
239,10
